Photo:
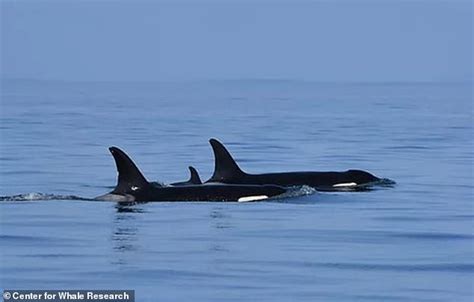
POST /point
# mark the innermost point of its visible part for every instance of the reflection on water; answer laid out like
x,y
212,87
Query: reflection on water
x,y
221,220
125,231
129,207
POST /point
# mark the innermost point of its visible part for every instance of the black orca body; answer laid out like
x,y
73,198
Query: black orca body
x,y
227,171
193,180
132,186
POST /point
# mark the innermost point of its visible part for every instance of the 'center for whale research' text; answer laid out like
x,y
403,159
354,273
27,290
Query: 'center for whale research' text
x,y
69,295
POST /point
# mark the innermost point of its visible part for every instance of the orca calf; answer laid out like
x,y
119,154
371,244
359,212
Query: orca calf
x,y
193,180
227,171
132,186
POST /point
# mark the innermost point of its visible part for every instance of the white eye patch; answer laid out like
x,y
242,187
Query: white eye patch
x,y
345,184
135,188
252,198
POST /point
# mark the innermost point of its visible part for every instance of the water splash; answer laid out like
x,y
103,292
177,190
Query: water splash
x,y
297,191
34,196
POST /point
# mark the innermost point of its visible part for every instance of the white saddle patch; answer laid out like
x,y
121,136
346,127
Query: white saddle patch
x,y
135,188
345,184
252,198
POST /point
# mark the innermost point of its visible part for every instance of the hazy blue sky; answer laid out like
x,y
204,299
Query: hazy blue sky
x,y
186,40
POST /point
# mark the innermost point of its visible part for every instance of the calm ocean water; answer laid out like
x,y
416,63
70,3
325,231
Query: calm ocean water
x,y
411,242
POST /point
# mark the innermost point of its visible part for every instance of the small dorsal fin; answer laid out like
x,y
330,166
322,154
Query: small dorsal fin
x,y
129,177
225,167
195,179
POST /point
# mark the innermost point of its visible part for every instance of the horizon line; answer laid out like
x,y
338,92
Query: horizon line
x,y
248,79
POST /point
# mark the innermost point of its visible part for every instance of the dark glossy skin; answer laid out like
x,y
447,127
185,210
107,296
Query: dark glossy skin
x,y
312,179
227,171
209,192
132,186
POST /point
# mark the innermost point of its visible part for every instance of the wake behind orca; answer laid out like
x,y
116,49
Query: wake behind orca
x,y
132,186
227,171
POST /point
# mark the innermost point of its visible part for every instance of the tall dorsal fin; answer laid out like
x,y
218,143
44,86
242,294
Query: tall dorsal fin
x,y
225,167
195,179
129,177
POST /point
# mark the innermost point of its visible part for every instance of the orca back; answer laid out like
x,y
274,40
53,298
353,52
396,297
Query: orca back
x,y
129,177
194,179
225,167
227,171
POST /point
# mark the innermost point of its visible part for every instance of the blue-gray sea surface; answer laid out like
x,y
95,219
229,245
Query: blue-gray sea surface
x,y
412,242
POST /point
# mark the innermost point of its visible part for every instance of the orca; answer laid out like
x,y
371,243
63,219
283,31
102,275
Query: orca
x,y
193,180
132,186
227,171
